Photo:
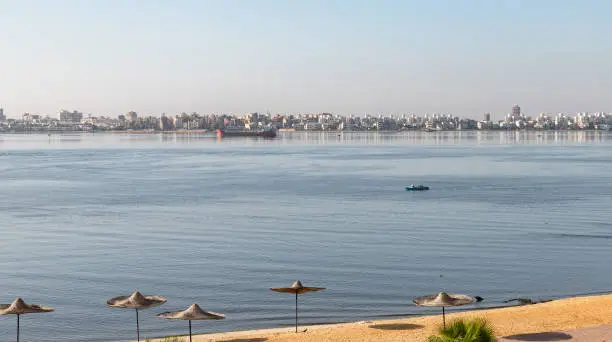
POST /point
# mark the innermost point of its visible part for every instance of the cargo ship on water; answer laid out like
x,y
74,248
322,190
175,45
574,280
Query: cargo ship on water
x,y
268,132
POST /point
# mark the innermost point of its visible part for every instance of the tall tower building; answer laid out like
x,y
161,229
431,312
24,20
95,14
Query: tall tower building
x,y
516,110
487,117
2,117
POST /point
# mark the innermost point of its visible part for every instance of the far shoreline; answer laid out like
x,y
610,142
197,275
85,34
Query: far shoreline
x,y
284,131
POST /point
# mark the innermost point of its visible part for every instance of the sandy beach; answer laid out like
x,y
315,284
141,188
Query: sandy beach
x,y
571,319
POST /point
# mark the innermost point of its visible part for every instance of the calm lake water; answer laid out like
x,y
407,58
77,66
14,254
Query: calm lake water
x,y
87,217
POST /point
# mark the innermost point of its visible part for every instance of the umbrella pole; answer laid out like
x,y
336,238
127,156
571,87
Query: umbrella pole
x,y
296,312
137,326
17,328
443,319
189,330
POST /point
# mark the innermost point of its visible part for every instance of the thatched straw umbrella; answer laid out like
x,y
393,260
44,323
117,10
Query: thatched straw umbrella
x,y
19,307
136,301
298,289
193,313
443,299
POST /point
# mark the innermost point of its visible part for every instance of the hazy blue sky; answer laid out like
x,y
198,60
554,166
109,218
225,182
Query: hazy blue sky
x,y
344,56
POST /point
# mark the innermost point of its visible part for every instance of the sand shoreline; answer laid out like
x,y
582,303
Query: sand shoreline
x,y
558,316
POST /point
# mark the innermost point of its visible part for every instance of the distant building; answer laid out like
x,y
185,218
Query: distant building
x,y
131,116
178,121
27,117
165,123
516,111
73,117
487,117
2,117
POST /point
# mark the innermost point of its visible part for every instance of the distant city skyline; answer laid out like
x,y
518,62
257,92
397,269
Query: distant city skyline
x,y
515,112
466,58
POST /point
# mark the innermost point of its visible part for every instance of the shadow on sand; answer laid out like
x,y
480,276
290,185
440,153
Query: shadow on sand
x,y
260,339
396,326
545,336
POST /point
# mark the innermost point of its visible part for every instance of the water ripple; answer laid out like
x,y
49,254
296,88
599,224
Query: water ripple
x,y
197,220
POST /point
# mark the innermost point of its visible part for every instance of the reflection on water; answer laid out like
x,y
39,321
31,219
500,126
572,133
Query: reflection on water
x,y
503,137
416,137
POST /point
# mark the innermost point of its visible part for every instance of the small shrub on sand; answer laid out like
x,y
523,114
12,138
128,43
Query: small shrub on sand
x,y
462,330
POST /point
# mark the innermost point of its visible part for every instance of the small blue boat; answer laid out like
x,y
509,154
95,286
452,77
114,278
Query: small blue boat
x,y
413,187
